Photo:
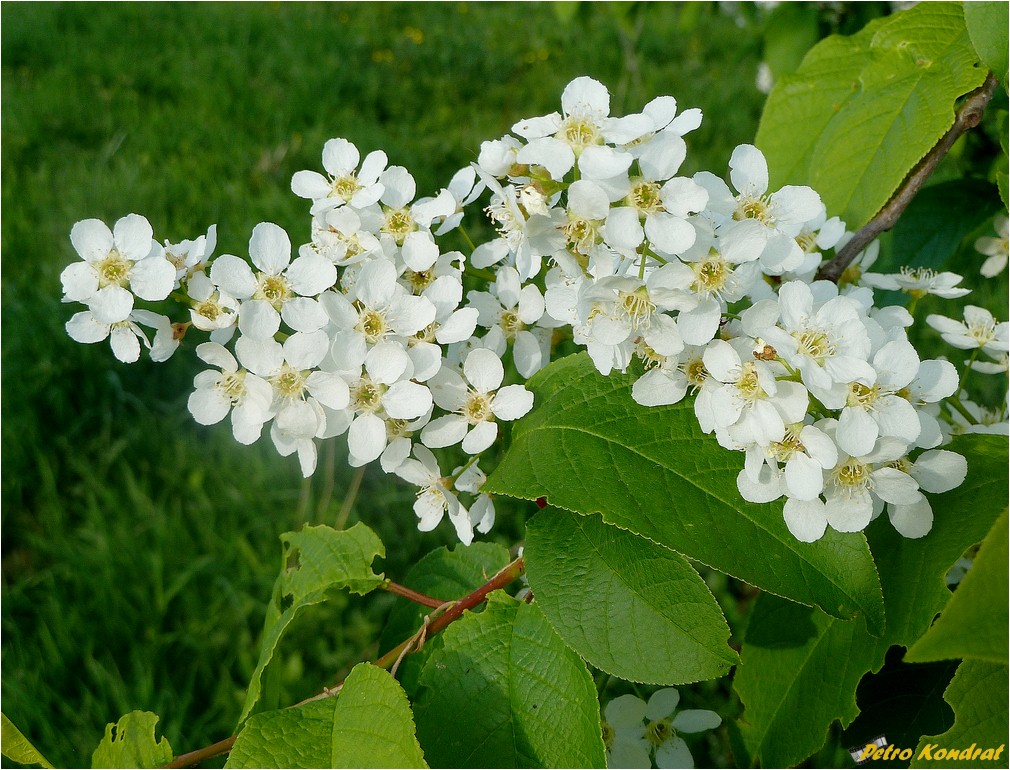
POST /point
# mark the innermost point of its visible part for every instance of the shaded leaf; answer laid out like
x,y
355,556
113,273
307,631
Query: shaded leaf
x,y
504,690
630,607
315,560
975,621
369,724
978,695
665,480
130,742
987,25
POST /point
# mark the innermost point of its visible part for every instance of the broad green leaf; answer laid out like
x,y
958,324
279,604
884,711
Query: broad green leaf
x,y
902,702
504,690
589,448
369,724
978,695
861,111
799,669
315,560
442,574
975,621
936,222
630,607
130,742
17,747
987,27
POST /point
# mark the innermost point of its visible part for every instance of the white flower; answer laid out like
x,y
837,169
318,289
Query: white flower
x,y
213,308
189,257
125,336
246,396
113,260
995,248
280,290
512,308
918,281
666,724
806,453
476,407
346,184
979,330
624,733
435,497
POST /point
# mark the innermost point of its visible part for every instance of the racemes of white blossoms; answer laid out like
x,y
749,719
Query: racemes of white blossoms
x,y
377,332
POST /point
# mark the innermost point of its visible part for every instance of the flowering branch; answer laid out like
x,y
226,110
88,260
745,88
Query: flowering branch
x,y
968,115
502,579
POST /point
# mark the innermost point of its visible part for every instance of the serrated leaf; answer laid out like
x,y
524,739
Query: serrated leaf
x,y
799,670
369,724
938,219
442,574
589,448
975,621
17,747
315,560
505,691
861,111
630,607
130,742
978,695
987,25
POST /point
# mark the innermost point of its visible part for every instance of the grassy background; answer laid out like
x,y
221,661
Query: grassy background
x,y
139,548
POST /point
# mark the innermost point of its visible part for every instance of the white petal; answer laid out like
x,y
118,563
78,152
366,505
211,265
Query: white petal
x,y
125,344
804,477
419,251
304,350
602,162
458,327
483,370
722,361
92,239
311,274
939,471
328,389
303,314
657,388
310,184
748,170
133,236
208,405
340,157
662,703
269,248
80,281
444,431
233,275
257,318
674,753
806,520
83,327
386,362
527,354
111,304
696,720
152,278
894,486
912,521
857,431
366,438
480,437
406,400
512,402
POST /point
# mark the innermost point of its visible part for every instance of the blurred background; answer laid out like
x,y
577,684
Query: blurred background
x,y
139,549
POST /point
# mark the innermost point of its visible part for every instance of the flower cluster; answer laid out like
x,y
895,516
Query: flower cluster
x,y
696,285
637,733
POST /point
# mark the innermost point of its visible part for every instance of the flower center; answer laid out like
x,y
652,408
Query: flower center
x,y
711,274
510,323
749,385
814,343
579,132
209,309
644,196
367,395
275,289
419,281
580,233
789,445
659,732
344,187
509,223
982,331
637,306
290,383
807,241
852,476
477,408
696,372
754,208
399,224
372,324
114,270
861,395
396,429
232,385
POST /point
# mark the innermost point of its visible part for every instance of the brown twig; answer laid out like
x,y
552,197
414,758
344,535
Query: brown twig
x,y
453,611
968,115
412,595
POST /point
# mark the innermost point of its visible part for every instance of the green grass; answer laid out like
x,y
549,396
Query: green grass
x,y
139,549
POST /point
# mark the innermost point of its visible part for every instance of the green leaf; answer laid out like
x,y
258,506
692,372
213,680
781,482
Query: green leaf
x,y
978,694
505,691
665,480
17,747
861,111
315,560
130,742
939,218
987,27
799,669
442,574
630,607
975,621
368,724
